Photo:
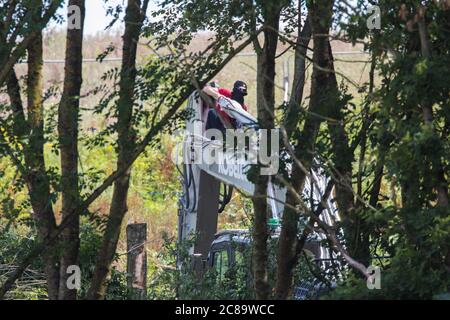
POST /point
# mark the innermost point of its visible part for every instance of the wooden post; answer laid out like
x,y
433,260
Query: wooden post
x,y
137,261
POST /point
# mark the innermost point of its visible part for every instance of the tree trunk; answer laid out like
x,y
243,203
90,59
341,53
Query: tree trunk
x,y
322,98
354,230
298,85
260,235
126,141
68,138
427,108
266,109
35,177
37,181
20,125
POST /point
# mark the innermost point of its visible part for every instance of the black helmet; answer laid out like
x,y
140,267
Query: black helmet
x,y
240,87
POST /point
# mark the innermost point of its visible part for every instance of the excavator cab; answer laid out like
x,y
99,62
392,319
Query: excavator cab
x,y
228,250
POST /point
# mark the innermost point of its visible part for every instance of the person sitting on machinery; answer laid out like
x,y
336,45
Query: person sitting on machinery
x,y
217,118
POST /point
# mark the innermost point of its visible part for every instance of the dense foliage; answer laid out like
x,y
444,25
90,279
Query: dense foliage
x,y
383,142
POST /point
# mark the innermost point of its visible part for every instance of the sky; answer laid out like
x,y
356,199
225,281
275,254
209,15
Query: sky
x,y
96,19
